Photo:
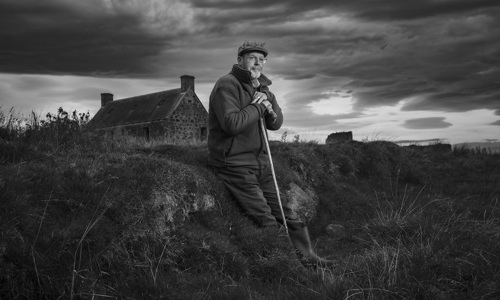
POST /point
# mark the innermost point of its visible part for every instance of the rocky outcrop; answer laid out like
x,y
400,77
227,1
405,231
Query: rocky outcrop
x,y
303,203
173,207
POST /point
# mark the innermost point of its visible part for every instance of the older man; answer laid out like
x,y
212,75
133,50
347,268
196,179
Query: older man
x,y
236,143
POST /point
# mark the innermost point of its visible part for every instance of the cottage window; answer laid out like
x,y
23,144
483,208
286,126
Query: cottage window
x,y
203,133
146,133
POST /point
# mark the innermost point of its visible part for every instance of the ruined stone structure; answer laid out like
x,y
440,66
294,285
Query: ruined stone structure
x,y
339,137
176,115
439,147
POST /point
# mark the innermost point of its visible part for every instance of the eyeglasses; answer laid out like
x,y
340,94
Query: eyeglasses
x,y
253,59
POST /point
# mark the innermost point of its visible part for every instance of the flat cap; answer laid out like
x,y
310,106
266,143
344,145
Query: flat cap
x,y
252,47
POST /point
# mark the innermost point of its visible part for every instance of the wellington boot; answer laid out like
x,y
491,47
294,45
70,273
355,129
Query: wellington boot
x,y
302,242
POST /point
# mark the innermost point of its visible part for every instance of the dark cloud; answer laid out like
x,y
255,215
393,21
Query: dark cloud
x,y
439,67
370,9
496,123
426,123
285,9
453,102
54,38
394,10
299,76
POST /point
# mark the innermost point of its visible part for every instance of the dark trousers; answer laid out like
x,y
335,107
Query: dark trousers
x,y
254,190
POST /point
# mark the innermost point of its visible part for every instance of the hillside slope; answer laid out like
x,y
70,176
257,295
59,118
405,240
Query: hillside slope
x,y
87,221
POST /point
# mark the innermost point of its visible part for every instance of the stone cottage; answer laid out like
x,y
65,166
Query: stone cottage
x,y
175,115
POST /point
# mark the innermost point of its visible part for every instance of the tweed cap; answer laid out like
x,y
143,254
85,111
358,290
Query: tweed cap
x,y
251,47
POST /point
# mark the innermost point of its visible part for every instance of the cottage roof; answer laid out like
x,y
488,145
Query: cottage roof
x,y
138,109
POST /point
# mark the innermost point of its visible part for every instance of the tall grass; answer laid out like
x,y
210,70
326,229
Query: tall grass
x,y
83,216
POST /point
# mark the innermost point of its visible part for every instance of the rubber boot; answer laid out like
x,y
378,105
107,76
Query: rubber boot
x,y
302,242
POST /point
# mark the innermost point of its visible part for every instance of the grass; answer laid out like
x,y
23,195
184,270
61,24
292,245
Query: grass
x,y
83,216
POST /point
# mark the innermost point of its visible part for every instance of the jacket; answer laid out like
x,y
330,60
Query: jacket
x,y
234,134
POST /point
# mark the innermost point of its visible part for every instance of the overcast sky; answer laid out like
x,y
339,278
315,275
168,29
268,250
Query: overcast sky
x,y
384,69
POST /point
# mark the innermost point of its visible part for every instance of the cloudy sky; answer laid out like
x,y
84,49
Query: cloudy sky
x,y
384,69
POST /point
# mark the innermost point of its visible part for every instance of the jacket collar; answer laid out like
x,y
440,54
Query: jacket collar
x,y
244,76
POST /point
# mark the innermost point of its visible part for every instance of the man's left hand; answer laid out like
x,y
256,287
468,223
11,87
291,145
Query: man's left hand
x,y
258,97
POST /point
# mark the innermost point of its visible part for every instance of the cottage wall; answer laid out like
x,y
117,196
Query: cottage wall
x,y
188,122
137,129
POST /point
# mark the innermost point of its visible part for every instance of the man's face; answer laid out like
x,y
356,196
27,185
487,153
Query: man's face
x,y
253,62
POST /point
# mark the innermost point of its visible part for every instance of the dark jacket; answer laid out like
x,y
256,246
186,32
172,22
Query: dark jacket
x,y
234,134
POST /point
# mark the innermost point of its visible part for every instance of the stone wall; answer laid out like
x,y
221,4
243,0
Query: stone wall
x,y
126,130
339,136
189,121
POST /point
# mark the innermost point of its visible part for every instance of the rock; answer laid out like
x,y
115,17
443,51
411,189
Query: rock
x,y
176,207
302,203
335,230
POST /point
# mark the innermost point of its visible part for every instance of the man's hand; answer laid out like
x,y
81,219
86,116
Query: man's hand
x,y
258,97
261,98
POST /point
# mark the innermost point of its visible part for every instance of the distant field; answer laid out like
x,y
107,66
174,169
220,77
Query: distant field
x,y
493,147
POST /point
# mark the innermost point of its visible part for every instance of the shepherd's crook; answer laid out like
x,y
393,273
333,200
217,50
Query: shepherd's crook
x,y
264,131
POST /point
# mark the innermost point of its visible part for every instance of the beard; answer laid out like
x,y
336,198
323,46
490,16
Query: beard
x,y
255,73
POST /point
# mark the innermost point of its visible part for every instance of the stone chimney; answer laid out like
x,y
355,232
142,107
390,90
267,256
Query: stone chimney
x,y
186,82
105,98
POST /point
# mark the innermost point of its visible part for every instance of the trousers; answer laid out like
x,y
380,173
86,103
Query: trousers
x,y
253,189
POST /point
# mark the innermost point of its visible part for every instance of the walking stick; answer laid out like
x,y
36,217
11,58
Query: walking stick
x,y
264,131
308,246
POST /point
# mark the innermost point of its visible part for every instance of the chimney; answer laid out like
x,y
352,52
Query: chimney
x,y
186,82
105,98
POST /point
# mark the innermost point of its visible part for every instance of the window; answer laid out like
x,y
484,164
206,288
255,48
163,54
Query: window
x,y
146,133
203,133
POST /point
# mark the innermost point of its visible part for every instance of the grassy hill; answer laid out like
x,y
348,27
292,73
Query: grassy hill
x,y
83,216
